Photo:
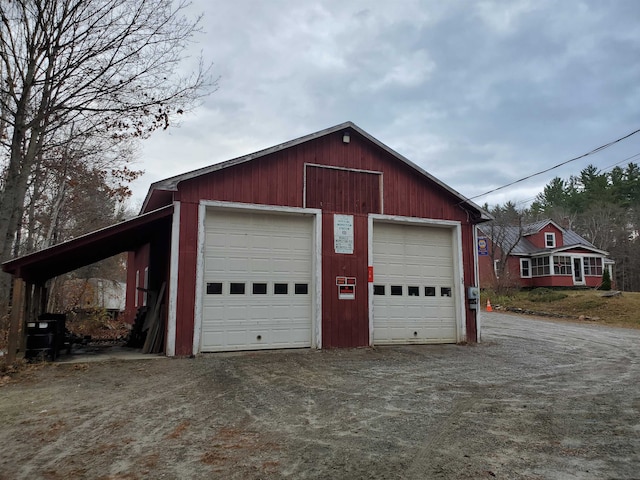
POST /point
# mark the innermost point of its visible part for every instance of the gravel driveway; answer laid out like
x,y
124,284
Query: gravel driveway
x,y
537,400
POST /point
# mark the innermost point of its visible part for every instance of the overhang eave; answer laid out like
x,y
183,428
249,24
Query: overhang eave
x,y
92,247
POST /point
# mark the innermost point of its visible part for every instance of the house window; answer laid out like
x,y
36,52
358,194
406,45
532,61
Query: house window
x,y
540,267
592,266
550,240
561,265
496,268
525,268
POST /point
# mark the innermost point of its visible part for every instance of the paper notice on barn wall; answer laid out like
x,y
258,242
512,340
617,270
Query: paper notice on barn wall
x,y
343,233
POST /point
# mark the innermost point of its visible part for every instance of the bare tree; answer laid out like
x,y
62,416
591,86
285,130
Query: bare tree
x,y
110,68
504,233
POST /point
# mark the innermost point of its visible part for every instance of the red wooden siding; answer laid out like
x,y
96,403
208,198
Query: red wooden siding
x,y
468,264
345,323
187,258
136,263
278,179
344,191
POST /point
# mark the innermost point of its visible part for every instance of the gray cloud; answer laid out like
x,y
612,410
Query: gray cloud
x,y
477,93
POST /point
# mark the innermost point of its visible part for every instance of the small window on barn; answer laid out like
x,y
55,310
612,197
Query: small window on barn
x,y
414,291
259,288
280,288
302,288
550,240
445,291
214,288
378,289
237,288
396,290
429,291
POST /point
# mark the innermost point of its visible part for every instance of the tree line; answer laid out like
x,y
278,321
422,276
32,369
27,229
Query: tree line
x,y
601,206
81,83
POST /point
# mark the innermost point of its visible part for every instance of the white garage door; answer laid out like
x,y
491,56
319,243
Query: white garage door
x,y
413,299
258,281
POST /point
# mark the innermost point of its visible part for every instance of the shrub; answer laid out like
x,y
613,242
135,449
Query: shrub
x,y
546,295
606,280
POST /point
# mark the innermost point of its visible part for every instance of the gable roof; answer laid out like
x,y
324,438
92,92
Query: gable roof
x,y
171,184
535,227
508,235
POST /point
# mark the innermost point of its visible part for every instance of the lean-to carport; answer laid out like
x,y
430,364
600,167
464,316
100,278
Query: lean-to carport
x,y
30,272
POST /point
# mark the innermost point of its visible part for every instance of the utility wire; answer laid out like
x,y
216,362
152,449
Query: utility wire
x,y
595,150
604,169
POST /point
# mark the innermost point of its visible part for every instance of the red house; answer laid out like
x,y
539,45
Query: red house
x,y
329,240
541,254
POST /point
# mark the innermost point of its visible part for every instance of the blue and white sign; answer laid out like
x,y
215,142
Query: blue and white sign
x,y
483,246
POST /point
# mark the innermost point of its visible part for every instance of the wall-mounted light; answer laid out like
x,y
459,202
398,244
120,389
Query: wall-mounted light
x,y
346,138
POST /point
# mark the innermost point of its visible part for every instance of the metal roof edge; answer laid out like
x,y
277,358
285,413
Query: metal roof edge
x,y
564,248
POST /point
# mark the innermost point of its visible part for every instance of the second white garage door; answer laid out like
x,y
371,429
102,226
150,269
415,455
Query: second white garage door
x,y
414,290
258,281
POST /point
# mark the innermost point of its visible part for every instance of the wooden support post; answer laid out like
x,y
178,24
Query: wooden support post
x,y
26,315
17,304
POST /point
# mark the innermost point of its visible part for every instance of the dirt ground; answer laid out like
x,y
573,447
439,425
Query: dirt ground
x,y
536,400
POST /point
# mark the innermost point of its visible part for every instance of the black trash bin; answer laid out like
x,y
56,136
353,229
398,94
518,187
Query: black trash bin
x,y
45,337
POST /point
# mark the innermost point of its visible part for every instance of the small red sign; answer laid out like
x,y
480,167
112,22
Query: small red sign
x,y
341,280
370,274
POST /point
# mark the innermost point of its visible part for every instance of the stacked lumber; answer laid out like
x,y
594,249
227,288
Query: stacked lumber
x,y
154,326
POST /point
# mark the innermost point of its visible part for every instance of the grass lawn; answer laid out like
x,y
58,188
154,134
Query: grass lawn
x,y
621,310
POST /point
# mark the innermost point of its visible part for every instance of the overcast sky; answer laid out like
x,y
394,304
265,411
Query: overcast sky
x,y
478,93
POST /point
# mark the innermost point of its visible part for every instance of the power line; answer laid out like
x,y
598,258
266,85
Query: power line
x,y
602,170
595,150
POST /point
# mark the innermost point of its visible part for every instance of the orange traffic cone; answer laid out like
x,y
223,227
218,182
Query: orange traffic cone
x,y
489,309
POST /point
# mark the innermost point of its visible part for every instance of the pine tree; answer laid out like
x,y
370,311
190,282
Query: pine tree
x,y
606,280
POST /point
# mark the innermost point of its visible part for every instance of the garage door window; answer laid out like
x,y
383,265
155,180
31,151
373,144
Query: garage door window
x,y
280,288
259,288
302,288
396,290
429,291
414,291
236,288
378,289
445,291
214,288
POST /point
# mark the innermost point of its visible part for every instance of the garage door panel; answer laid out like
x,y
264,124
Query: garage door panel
x,y
413,256
269,254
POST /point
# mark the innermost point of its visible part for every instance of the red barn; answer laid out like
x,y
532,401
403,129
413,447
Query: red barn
x,y
329,240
